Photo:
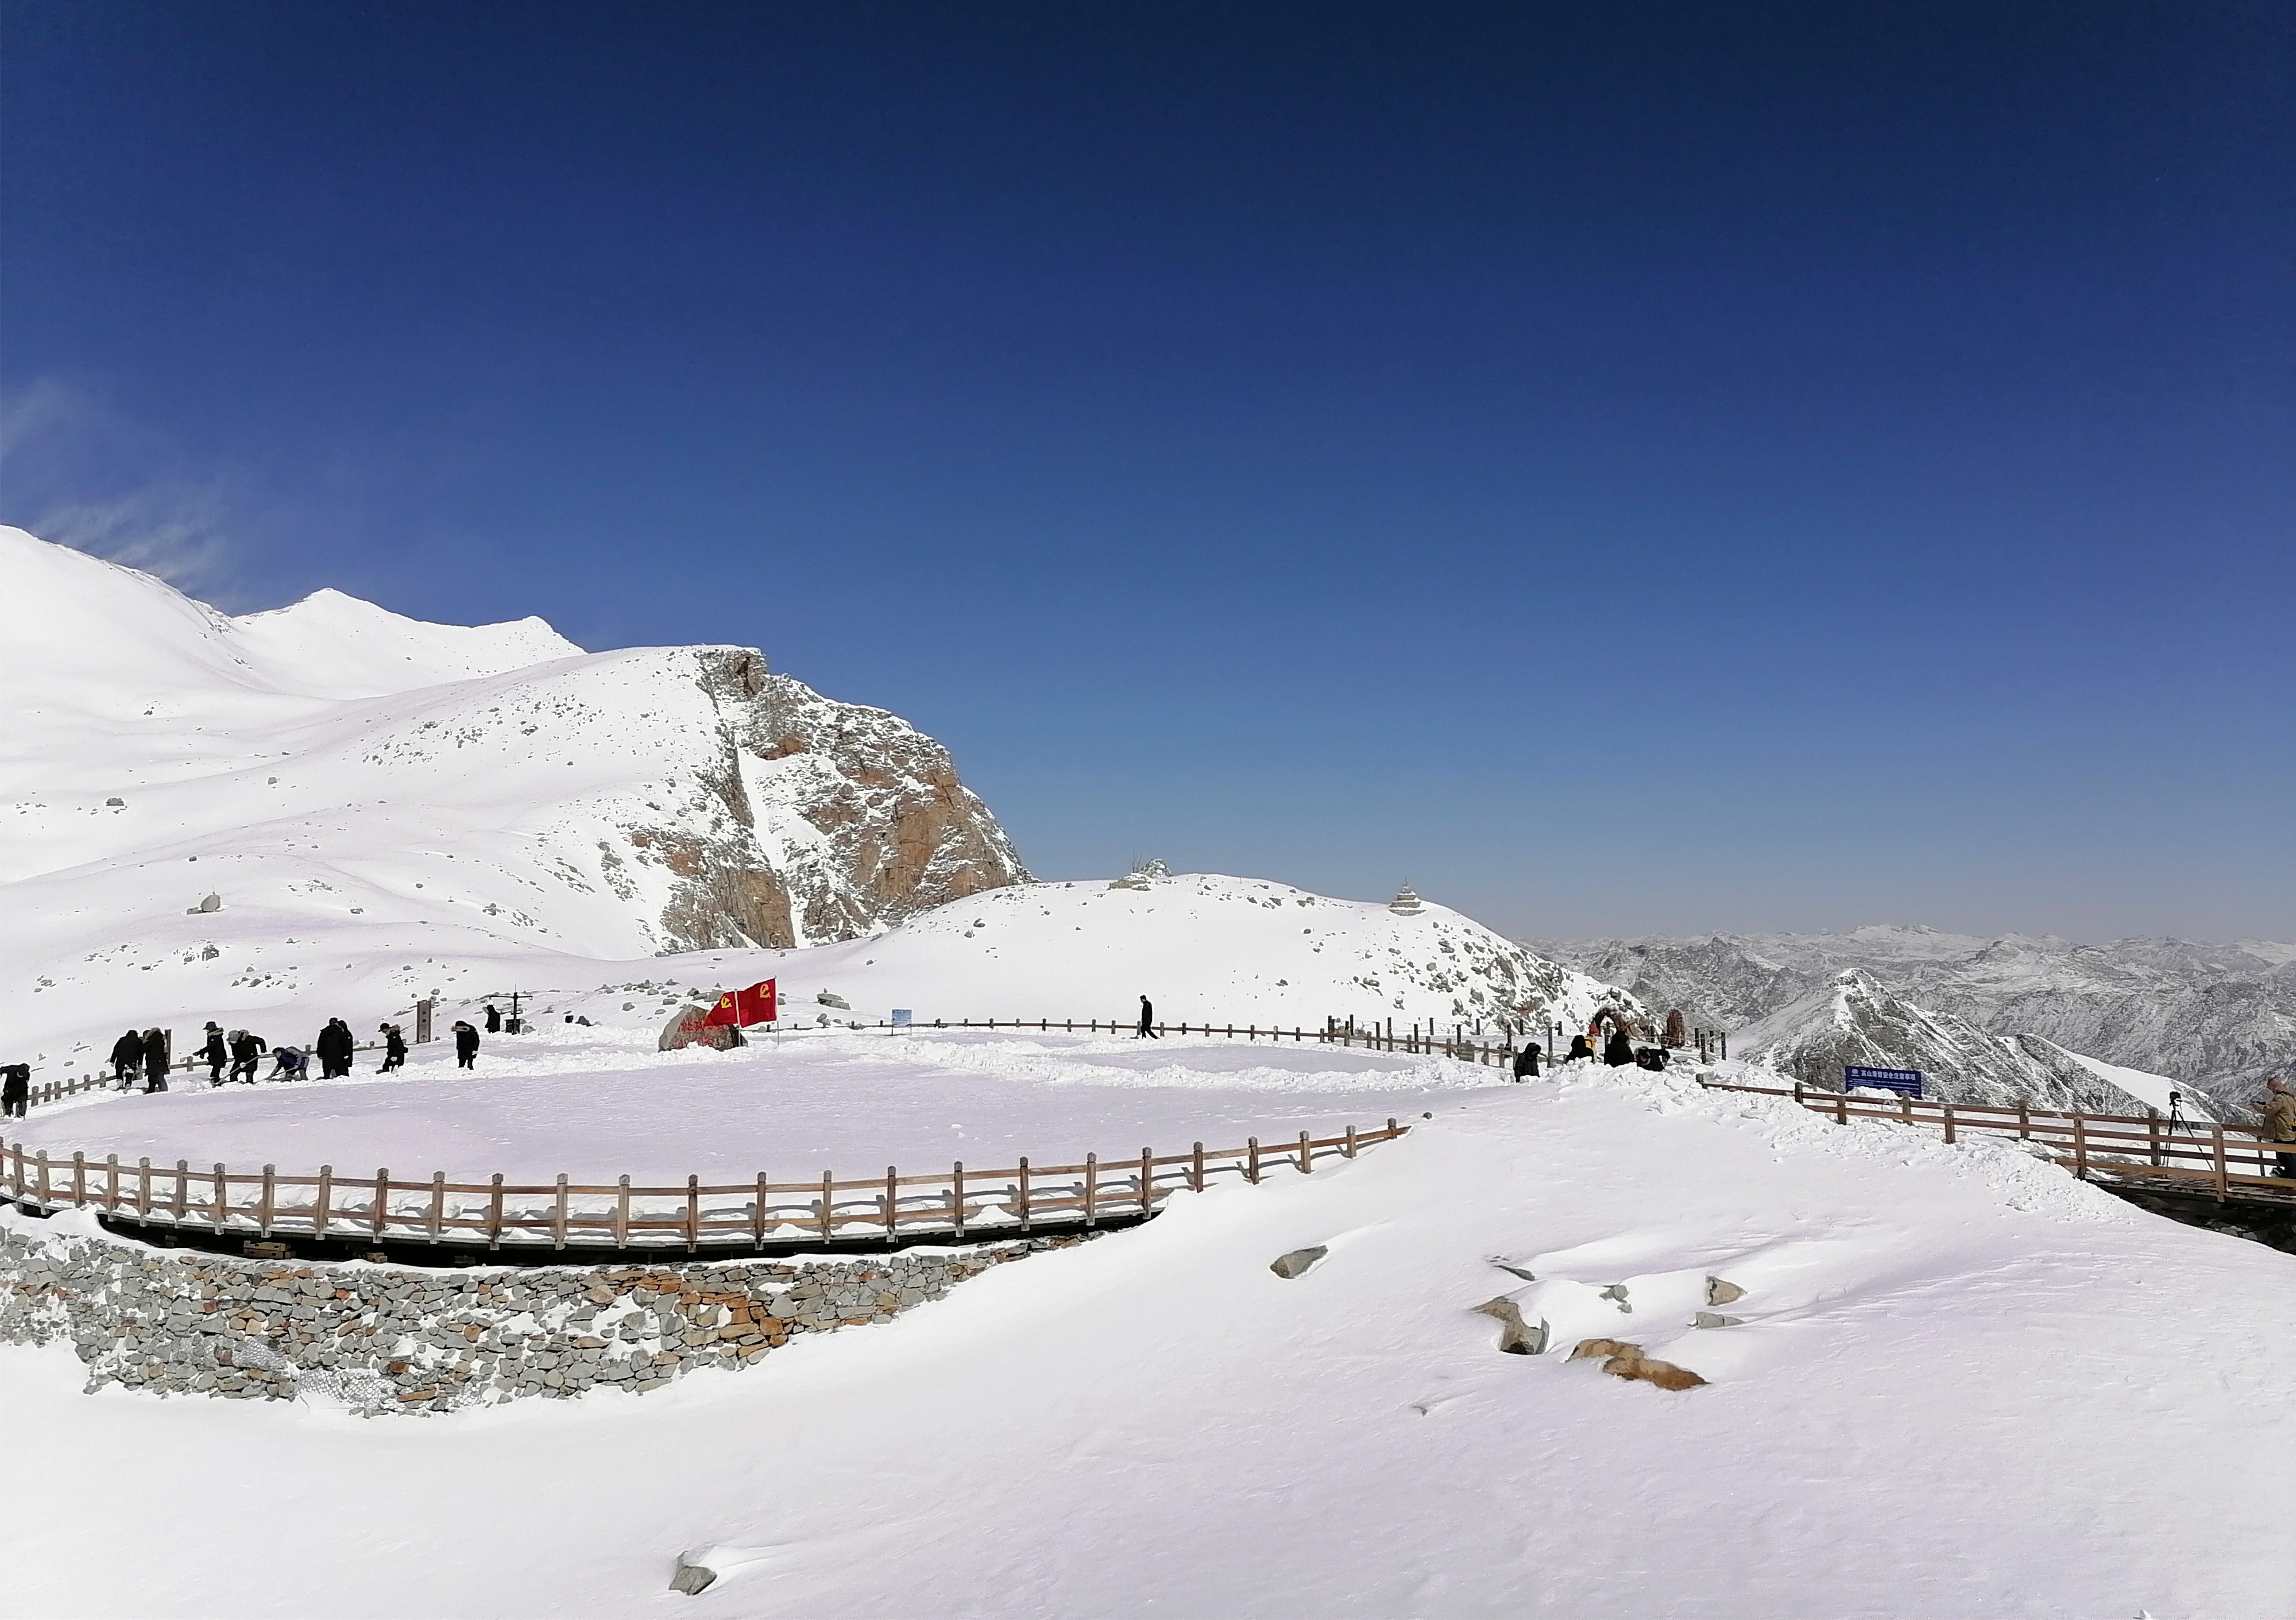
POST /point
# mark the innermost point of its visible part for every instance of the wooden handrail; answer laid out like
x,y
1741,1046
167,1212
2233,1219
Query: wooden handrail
x,y
561,1214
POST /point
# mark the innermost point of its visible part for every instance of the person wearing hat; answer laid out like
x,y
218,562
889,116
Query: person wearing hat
x,y
214,1052
2280,1124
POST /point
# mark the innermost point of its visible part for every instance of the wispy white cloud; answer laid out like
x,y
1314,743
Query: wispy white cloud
x,y
74,472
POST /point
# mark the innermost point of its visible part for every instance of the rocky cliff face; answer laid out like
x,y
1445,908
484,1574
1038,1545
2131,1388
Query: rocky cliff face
x,y
814,821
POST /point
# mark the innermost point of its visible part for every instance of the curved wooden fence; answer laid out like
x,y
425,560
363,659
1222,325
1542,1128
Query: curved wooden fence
x,y
2225,1159
959,1204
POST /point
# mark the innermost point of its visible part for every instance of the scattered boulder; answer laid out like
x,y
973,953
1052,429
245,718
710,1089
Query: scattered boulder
x,y
1516,1336
692,1579
1718,1292
114,804
828,998
686,1028
1621,1359
1297,1262
1617,1295
1511,1269
1710,1319
212,903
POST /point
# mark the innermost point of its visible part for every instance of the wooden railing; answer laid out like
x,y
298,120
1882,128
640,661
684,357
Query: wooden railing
x,y
2147,1145
958,1203
1425,1040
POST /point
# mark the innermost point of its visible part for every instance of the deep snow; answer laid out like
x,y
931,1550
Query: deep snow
x,y
1966,1385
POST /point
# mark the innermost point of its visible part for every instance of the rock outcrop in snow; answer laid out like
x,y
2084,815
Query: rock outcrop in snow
x,y
340,761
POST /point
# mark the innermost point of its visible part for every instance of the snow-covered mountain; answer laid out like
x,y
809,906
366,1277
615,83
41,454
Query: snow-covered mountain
x,y
1853,1019
331,764
2219,1018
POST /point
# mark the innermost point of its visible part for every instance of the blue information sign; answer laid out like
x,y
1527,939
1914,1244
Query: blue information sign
x,y
1907,1081
900,1018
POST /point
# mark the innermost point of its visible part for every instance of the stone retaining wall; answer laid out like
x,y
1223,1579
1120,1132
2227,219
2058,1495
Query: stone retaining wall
x,y
384,1338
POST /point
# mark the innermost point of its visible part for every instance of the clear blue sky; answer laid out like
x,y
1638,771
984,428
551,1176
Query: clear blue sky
x,y
1617,467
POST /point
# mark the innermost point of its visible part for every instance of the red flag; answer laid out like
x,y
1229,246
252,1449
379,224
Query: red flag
x,y
743,1008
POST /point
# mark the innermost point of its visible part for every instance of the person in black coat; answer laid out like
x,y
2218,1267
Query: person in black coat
x,y
394,1048
155,1061
334,1047
1579,1050
215,1054
1526,1061
246,1049
1148,1019
1617,1052
494,1019
466,1045
15,1090
126,1057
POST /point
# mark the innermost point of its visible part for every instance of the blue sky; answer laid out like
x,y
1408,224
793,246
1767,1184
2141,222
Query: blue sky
x,y
1619,467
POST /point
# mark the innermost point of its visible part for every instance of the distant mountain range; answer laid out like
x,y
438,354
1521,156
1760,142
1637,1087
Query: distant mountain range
x,y
2215,1018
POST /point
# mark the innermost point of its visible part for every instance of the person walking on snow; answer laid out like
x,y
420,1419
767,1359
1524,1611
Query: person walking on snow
x,y
127,1058
1148,1019
494,1019
394,1048
215,1054
2279,1125
15,1090
1526,1061
155,1061
245,1049
466,1045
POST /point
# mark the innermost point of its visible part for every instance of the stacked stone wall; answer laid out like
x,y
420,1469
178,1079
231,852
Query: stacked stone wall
x,y
380,1339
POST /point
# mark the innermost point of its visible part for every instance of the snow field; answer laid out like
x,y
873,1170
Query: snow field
x,y
1933,1407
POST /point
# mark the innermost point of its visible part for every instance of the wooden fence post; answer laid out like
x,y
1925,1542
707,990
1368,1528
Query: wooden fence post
x,y
112,1183
183,1189
270,1189
1091,1188
320,1201
1842,1107
956,1181
1024,1192
437,1203
1252,1171
1350,1150
222,1197
143,1189
1196,1169
495,1212
44,1178
79,1179
558,1215
2024,1120
758,1210
382,1210
2152,1135
892,1200
1948,1121
692,1213
1306,1155
2080,1148
828,1204
2215,1131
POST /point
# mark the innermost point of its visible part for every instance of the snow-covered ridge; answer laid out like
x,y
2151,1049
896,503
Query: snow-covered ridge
x,y
332,769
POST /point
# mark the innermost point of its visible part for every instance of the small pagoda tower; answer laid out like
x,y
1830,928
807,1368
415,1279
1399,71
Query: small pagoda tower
x,y
1406,902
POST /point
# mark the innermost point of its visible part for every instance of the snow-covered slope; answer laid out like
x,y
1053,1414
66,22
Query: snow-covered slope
x,y
1962,1384
1855,1020
2219,1017
412,791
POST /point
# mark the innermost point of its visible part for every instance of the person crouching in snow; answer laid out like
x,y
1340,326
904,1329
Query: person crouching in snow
x,y
289,1063
466,1044
1526,1061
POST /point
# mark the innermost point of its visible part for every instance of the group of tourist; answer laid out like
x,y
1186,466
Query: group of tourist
x,y
147,1054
